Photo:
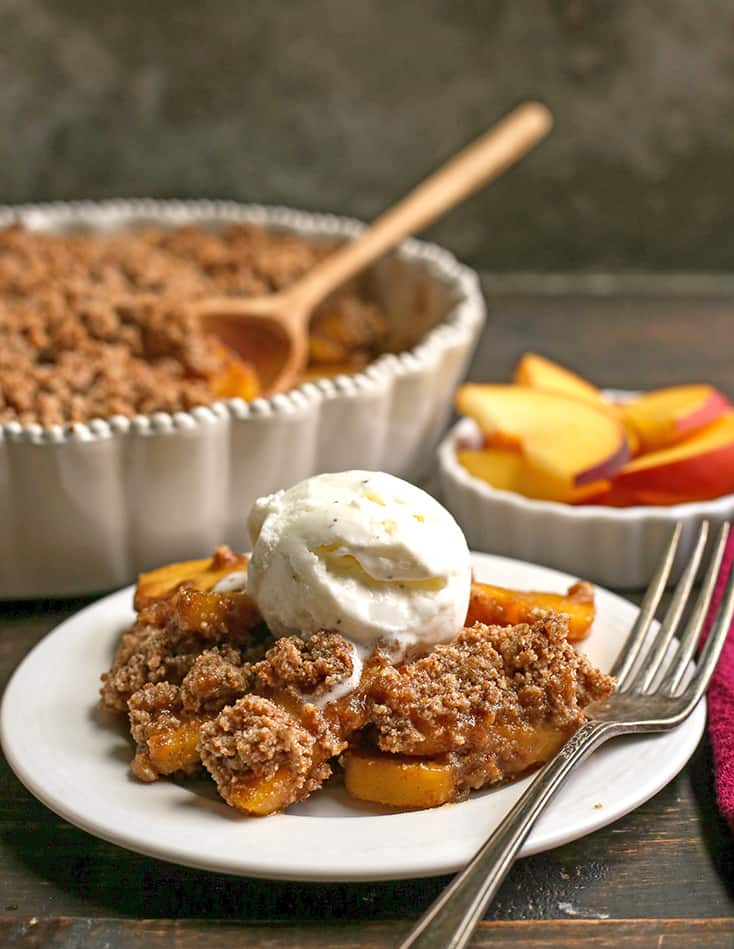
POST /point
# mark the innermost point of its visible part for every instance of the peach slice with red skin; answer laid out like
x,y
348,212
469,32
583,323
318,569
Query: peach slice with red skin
x,y
572,442
508,470
538,372
619,497
664,417
633,439
699,468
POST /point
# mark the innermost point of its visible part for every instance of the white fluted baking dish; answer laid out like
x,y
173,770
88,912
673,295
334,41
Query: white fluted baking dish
x,y
83,508
618,547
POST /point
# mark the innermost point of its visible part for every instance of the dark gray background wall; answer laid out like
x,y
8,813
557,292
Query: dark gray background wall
x,y
343,104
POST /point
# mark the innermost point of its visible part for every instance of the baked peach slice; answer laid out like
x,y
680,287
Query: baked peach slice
x,y
699,468
214,614
173,749
262,796
499,606
664,417
538,372
417,782
166,736
236,378
569,441
398,780
197,574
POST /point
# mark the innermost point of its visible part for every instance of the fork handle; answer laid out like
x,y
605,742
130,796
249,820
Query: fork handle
x,y
451,919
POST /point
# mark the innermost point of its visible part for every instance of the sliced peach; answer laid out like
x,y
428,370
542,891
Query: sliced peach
x,y
175,749
398,780
236,378
264,796
499,606
222,614
198,574
406,781
541,373
527,745
617,496
503,442
509,471
657,499
633,439
666,416
700,467
570,441
500,467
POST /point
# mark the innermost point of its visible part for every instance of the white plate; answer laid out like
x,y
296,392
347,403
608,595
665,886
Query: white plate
x,y
69,757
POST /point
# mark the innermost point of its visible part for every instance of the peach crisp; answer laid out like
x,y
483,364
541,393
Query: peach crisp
x,y
207,688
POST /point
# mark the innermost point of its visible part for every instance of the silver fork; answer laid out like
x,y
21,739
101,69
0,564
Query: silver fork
x,y
653,694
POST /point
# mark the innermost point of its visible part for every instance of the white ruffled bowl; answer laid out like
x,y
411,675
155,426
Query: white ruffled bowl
x,y
617,547
83,508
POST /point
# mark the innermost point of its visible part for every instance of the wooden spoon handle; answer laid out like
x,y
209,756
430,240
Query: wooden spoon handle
x,y
478,163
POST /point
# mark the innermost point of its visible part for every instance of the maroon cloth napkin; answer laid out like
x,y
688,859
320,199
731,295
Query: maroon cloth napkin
x,y
721,702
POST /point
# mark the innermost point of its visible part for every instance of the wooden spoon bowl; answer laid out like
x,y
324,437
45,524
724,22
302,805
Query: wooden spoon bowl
x,y
275,342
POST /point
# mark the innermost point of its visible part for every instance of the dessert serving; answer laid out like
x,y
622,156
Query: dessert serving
x,y
96,325
353,637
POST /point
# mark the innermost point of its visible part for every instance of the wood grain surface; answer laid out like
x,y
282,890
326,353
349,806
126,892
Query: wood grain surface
x,y
661,877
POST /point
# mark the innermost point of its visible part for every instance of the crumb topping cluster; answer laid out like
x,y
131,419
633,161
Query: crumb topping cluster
x,y
97,325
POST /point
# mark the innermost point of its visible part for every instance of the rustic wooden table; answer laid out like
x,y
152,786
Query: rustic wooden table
x,y
661,877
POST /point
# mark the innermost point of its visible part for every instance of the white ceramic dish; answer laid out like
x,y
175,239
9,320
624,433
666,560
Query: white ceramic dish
x,y
70,758
84,508
619,547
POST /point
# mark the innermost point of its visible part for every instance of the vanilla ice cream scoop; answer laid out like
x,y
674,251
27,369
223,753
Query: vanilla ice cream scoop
x,y
362,553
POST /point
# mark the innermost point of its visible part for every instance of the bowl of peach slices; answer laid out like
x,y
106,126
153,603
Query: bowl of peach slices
x,y
550,468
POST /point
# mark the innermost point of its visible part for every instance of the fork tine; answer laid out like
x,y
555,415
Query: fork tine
x,y
627,658
714,644
659,649
689,640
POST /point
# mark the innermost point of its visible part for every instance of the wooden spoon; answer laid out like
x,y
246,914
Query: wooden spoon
x,y
271,332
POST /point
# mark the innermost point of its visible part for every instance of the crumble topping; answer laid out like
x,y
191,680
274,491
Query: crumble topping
x,y
154,710
507,675
153,654
256,739
148,654
313,666
217,677
94,325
